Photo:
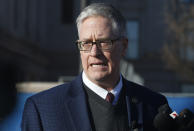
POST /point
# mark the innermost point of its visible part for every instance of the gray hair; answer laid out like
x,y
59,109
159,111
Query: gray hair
x,y
107,11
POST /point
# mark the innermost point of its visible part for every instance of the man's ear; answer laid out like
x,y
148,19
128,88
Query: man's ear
x,y
125,46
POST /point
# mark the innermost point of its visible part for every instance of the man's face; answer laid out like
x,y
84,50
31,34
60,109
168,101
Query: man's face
x,y
101,67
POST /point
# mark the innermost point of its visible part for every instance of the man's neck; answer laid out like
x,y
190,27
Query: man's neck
x,y
106,83
101,91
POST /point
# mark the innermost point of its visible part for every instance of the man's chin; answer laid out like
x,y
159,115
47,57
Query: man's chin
x,y
99,78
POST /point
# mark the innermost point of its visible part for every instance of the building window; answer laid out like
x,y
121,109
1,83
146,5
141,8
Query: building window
x,y
15,11
187,1
187,53
67,11
133,37
187,46
187,88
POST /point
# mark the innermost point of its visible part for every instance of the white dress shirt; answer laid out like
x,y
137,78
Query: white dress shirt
x,y
101,91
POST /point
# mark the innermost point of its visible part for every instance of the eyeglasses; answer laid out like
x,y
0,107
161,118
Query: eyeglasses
x,y
104,45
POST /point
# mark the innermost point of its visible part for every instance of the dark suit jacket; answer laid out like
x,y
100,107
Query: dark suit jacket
x,y
64,108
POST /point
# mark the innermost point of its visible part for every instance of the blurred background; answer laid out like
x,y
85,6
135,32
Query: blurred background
x,y
38,51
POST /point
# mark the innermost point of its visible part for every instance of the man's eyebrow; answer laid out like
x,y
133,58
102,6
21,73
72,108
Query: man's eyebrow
x,y
99,39
103,39
86,39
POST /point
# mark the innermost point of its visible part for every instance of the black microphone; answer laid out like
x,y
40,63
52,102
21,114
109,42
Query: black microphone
x,y
167,121
190,126
163,121
185,120
135,126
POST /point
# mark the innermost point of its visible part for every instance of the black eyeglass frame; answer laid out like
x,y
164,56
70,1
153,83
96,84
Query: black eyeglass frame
x,y
97,42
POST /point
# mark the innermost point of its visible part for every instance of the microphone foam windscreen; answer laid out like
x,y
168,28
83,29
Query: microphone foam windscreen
x,y
185,120
163,121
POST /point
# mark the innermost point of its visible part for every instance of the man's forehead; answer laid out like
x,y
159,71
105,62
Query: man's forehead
x,y
90,35
95,28
96,36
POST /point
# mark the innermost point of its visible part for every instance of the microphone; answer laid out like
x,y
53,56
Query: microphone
x,y
163,121
135,126
190,125
185,120
167,121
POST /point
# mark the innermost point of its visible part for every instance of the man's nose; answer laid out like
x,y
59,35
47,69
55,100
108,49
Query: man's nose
x,y
95,50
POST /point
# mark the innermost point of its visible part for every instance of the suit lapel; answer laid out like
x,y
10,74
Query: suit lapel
x,y
134,106
79,114
78,107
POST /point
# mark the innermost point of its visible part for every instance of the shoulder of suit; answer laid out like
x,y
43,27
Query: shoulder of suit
x,y
145,94
52,92
64,91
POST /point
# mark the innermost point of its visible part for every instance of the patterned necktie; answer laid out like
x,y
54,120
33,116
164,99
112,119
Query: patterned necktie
x,y
110,97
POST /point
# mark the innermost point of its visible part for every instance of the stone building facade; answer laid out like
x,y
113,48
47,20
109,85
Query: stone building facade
x,y
39,35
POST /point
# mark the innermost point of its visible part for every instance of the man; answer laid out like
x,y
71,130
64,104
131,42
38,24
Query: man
x,y
99,99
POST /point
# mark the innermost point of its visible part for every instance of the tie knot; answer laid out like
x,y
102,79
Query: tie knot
x,y
110,97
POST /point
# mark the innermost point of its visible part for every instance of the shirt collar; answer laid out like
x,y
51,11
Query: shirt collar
x,y
101,91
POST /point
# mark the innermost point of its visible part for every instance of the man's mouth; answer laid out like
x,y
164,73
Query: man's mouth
x,y
98,64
